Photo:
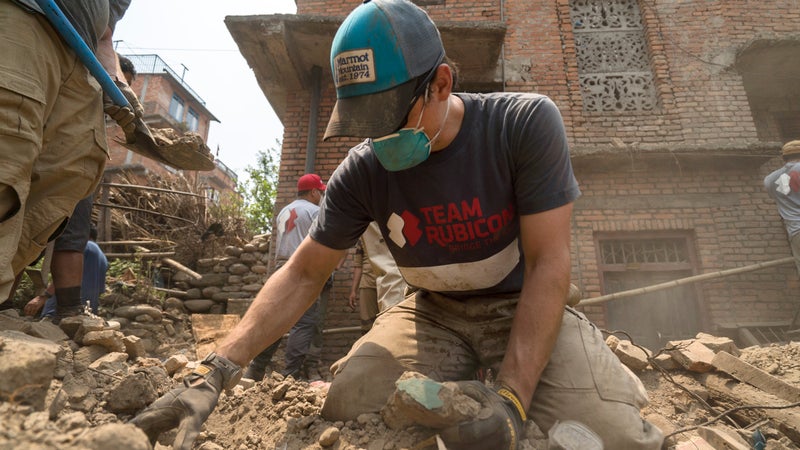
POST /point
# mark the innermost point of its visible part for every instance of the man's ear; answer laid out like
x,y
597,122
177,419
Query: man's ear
x,y
442,84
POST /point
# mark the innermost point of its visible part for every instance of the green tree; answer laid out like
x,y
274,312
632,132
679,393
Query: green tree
x,y
260,190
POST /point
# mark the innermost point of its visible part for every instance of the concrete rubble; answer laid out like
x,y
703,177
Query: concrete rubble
x,y
76,385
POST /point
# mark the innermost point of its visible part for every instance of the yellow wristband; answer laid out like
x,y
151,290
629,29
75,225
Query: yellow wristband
x,y
508,393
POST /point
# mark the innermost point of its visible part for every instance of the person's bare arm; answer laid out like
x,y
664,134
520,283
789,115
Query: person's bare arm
x,y
546,246
281,301
108,57
357,271
125,116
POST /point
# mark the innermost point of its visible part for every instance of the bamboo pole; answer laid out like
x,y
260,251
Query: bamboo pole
x,y
149,188
173,263
172,292
131,208
152,241
139,255
341,330
682,281
182,268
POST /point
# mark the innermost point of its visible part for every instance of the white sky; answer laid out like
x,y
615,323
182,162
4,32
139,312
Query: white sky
x,y
193,33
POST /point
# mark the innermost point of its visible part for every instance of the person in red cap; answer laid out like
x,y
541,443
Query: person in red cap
x,y
292,226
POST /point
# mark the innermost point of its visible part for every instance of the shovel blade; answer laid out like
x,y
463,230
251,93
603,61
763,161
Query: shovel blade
x,y
179,157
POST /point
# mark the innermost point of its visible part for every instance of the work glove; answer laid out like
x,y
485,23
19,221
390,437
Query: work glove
x,y
188,406
124,116
498,426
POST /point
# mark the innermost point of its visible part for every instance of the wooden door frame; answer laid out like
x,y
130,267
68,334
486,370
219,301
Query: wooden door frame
x,y
693,266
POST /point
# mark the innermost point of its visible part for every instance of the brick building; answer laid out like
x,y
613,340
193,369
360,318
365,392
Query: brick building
x,y
675,112
169,102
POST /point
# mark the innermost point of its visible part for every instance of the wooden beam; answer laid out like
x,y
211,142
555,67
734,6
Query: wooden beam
x,y
687,280
752,375
131,208
722,439
134,255
145,242
172,292
182,268
784,417
148,188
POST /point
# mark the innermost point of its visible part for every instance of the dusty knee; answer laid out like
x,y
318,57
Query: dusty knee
x,y
361,384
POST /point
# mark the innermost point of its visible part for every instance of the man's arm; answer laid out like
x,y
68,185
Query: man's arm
x,y
125,117
107,56
281,301
357,270
546,245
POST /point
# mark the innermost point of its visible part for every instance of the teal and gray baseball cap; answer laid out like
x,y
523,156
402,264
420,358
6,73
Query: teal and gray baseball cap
x,y
378,53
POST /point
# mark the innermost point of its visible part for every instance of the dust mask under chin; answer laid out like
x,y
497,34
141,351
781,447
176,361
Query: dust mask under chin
x,y
406,147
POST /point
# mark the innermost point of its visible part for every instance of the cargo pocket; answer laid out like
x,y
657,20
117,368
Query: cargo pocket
x,y
611,379
43,223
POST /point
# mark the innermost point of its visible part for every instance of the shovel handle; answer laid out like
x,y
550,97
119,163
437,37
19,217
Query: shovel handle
x,y
65,29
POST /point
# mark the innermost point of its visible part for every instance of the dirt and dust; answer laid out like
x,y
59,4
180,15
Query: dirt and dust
x,y
168,138
181,150
94,391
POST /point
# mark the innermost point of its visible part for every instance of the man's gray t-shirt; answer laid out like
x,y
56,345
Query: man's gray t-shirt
x,y
292,224
452,223
786,194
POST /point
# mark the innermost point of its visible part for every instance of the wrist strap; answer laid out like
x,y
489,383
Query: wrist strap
x,y
230,372
509,394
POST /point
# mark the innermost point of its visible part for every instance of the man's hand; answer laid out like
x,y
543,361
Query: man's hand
x,y
124,116
353,301
35,305
501,429
188,406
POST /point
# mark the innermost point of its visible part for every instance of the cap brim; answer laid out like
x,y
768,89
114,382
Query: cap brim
x,y
371,115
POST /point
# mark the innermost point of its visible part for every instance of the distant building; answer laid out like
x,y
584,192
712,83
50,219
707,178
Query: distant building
x,y
168,102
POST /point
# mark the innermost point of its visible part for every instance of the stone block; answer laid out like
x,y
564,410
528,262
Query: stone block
x,y
198,306
631,355
692,355
27,366
110,339
175,363
232,251
238,269
134,347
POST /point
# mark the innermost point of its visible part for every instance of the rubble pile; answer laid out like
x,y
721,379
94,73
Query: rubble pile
x,y
75,386
170,213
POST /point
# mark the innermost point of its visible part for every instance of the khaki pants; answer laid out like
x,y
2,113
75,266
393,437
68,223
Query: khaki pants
x,y
450,340
52,137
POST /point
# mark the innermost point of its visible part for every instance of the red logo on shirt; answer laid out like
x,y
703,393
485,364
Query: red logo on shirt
x,y
794,181
457,225
411,227
290,221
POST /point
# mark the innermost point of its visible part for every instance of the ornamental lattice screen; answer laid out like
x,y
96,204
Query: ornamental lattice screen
x,y
613,61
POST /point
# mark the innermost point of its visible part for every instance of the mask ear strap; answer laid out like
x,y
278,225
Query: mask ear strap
x,y
419,121
436,136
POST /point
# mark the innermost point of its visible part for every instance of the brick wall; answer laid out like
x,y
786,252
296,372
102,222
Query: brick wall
x,y
726,212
